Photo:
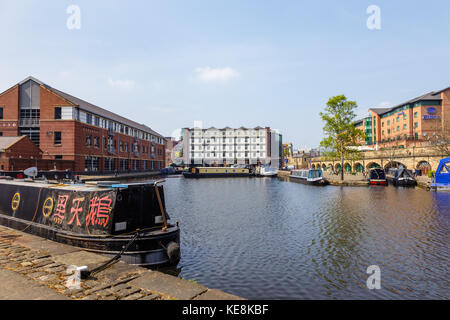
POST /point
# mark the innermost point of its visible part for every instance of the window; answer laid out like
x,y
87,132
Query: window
x,y
382,124
388,122
1,113
96,142
88,141
58,157
415,114
89,118
416,136
58,113
57,138
398,128
389,131
91,163
404,116
398,119
404,127
416,124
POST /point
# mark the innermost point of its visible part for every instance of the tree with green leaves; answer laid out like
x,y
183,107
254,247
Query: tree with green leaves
x,y
341,136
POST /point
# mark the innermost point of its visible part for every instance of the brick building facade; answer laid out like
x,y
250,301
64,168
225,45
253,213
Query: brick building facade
x,y
69,129
409,123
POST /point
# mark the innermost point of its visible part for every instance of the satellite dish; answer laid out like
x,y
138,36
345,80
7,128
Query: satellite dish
x,y
31,172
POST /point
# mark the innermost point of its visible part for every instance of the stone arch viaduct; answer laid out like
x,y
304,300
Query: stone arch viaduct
x,y
422,158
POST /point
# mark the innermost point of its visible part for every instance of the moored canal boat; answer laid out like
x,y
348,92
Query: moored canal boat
x,y
377,177
215,172
266,171
309,176
441,180
401,177
105,218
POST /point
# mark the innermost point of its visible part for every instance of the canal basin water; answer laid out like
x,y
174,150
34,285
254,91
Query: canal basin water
x,y
265,238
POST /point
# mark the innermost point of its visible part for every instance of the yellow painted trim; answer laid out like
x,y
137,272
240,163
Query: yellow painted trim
x,y
47,208
15,201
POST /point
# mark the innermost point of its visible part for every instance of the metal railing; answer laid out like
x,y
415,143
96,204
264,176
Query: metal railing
x,y
28,122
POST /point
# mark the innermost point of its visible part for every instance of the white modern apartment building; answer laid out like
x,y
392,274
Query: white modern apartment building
x,y
229,146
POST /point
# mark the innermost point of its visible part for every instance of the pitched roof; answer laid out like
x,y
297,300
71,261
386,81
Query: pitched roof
x,y
84,105
433,96
6,142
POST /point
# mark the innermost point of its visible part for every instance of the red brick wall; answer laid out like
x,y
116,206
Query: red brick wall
x,y
49,101
24,148
47,139
15,164
9,101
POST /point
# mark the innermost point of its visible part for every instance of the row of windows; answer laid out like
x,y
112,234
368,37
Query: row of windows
x,y
110,164
85,117
416,125
95,141
228,132
398,118
229,148
227,154
399,137
228,140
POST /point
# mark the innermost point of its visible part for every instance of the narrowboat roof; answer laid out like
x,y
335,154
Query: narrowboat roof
x,y
100,186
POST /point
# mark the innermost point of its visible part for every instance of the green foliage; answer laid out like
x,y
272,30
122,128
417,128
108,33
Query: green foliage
x,y
340,132
287,152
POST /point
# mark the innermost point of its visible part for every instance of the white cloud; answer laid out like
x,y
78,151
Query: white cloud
x,y
207,74
121,84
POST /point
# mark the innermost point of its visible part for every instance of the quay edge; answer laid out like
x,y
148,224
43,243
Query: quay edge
x,y
29,260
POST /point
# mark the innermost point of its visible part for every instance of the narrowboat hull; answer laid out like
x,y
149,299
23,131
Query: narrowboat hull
x,y
101,221
376,182
215,175
322,182
402,182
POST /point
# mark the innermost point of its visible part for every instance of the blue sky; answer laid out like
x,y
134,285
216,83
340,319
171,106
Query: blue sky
x,y
229,63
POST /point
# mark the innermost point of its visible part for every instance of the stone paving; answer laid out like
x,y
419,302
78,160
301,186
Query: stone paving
x,y
46,263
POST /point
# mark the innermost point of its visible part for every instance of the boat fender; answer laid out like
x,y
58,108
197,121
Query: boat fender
x,y
173,251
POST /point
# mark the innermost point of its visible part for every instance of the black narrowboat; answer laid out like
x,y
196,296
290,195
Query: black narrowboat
x,y
377,177
104,218
401,177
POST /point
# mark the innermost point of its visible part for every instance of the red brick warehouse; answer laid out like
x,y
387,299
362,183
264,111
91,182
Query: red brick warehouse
x,y
67,128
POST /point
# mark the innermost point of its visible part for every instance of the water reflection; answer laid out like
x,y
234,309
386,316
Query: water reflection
x,y
272,239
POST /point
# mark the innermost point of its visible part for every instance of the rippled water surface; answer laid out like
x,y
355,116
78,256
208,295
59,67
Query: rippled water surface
x,y
263,238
